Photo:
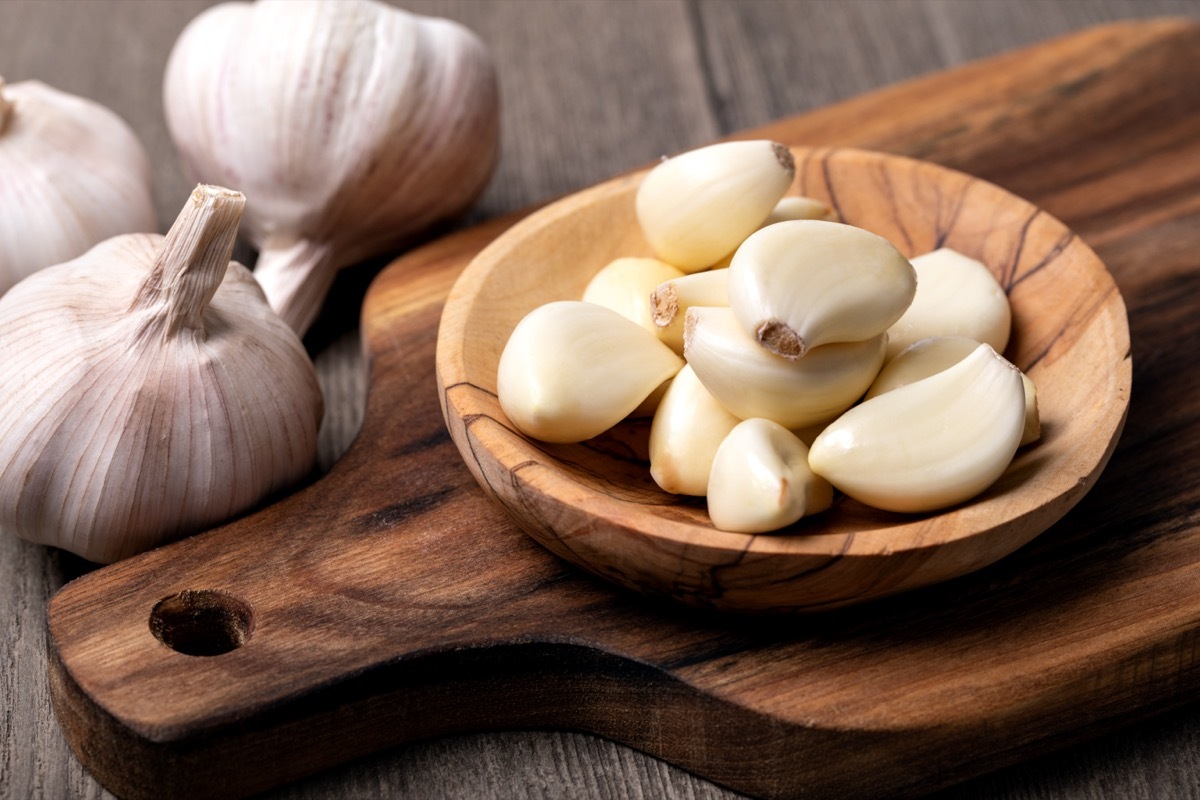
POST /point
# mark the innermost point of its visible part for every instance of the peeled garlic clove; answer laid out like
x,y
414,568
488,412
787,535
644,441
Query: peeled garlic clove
x,y
74,174
751,382
571,370
930,356
956,296
688,427
697,207
149,391
1032,431
787,209
798,285
930,444
626,284
352,125
797,207
761,481
671,300
920,360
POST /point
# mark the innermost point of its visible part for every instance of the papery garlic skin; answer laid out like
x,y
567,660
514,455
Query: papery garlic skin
x,y
698,206
571,370
671,299
927,357
352,126
626,284
74,174
930,444
688,427
150,392
751,382
956,296
761,481
800,284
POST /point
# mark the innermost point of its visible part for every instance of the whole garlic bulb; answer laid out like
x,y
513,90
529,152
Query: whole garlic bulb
x,y
350,125
74,174
149,391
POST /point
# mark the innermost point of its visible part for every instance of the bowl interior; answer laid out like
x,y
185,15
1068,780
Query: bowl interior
x,y
595,504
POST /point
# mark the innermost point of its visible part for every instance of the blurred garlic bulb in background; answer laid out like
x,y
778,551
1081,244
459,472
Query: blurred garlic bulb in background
x,y
74,174
149,391
349,125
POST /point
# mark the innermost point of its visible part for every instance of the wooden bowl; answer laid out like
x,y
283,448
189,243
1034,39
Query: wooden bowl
x,y
595,503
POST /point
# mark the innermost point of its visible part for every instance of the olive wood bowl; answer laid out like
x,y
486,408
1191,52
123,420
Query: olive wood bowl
x,y
595,504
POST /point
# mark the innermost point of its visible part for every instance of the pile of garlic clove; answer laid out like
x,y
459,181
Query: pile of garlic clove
x,y
799,354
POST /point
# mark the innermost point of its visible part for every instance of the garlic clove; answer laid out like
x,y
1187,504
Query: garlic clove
x,y
930,444
625,285
696,207
920,360
751,382
801,284
353,125
688,427
790,208
571,370
935,354
74,174
153,392
799,207
760,480
670,301
956,296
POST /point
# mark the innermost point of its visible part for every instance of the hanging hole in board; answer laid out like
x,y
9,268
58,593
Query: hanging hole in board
x,y
202,622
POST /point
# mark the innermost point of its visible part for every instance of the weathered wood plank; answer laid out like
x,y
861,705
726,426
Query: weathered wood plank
x,y
50,39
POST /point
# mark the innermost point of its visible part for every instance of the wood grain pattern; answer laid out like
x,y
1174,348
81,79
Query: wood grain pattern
x,y
392,600
595,503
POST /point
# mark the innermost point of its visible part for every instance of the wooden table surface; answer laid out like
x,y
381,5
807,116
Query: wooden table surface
x,y
589,89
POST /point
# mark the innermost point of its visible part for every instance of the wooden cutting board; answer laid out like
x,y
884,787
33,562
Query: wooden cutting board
x,y
392,600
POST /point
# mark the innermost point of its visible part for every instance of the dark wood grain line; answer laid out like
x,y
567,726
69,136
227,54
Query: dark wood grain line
x,y
1062,244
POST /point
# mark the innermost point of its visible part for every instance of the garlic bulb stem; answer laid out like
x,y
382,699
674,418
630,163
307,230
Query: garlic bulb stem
x,y
296,277
193,259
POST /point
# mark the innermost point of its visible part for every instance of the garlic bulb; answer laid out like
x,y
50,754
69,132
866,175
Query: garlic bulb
x,y
149,391
351,125
74,174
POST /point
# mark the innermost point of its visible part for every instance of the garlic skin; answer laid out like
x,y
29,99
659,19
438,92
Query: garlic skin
x,y
761,482
351,125
74,174
688,427
698,206
751,382
671,299
571,370
956,296
151,392
626,284
930,444
800,284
